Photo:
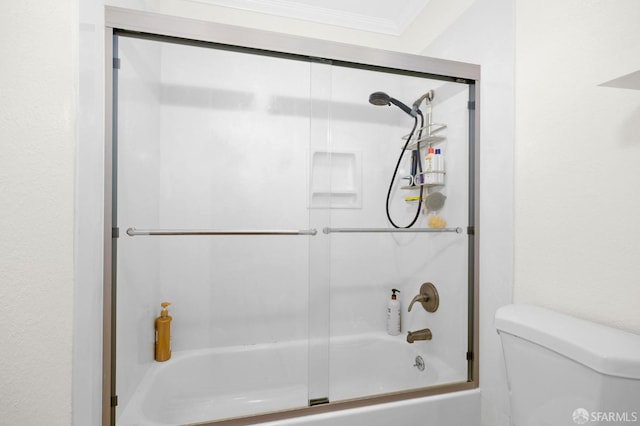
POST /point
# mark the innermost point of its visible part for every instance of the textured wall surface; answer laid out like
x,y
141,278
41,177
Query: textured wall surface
x,y
577,150
37,131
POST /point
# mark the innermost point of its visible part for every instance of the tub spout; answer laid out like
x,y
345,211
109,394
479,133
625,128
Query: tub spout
x,y
424,334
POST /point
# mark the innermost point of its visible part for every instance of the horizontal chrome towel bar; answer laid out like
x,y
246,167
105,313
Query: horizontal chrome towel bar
x,y
164,232
406,230
169,232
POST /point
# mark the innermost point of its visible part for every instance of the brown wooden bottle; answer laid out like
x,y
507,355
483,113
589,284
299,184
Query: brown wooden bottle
x,y
163,334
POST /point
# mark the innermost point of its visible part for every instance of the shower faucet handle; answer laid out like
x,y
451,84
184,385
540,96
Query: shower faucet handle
x,y
428,298
419,298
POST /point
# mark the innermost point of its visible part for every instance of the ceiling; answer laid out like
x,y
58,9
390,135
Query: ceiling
x,y
384,17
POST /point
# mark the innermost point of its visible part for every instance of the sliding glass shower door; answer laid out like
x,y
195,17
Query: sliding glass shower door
x,y
255,192
374,157
216,142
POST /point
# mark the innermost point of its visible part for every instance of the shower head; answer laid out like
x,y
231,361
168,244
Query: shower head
x,y
381,98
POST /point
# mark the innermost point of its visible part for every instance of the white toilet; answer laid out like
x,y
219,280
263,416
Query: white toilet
x,y
565,371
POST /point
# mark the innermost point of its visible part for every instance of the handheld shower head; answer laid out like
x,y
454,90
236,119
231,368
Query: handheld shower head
x,y
381,98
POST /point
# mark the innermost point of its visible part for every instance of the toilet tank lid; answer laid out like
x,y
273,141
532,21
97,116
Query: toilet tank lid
x,y
605,349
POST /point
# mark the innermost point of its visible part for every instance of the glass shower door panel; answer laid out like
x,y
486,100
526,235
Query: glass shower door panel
x,y
366,265
212,140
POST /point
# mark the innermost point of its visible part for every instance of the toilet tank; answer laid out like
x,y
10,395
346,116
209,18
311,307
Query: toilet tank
x,y
563,370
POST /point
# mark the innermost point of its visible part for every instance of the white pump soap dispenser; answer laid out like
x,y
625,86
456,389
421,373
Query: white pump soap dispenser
x,y
393,314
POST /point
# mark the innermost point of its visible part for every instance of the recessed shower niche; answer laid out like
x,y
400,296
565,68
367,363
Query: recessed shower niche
x,y
251,183
336,180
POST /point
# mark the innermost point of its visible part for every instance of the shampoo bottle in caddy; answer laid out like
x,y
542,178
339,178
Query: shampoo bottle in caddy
x,y
393,314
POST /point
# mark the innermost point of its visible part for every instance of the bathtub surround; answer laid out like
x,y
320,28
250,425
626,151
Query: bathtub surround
x,y
202,114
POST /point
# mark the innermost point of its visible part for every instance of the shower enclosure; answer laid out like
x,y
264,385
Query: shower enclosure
x,y
247,177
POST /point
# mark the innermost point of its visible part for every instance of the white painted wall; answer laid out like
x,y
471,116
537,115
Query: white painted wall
x,y
38,88
576,203
484,35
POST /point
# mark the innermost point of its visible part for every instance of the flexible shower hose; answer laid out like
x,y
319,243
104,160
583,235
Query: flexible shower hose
x,y
395,171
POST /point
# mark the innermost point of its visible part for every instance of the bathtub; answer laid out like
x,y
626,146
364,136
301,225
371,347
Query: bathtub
x,y
204,385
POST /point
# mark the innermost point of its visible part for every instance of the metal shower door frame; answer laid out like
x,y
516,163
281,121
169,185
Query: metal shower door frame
x,y
190,31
